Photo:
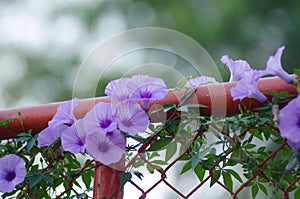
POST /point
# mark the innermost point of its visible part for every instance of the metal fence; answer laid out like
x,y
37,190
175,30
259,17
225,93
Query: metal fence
x,y
107,179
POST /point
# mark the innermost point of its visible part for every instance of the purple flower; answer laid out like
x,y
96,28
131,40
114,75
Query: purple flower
x,y
73,138
64,114
118,90
104,149
12,172
146,88
63,119
131,118
237,68
289,123
100,118
50,134
198,81
247,87
274,66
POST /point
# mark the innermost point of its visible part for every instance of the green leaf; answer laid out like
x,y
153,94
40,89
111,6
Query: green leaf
x,y
263,188
126,176
30,144
216,175
159,162
254,191
227,180
5,122
200,172
186,96
171,150
185,108
34,180
195,160
160,144
249,146
152,155
168,107
297,193
138,174
150,168
48,179
187,166
87,179
235,175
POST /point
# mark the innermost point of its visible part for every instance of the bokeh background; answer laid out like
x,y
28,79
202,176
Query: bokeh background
x,y
43,43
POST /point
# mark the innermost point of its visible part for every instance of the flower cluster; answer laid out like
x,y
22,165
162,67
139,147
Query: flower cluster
x,y
101,133
289,116
247,86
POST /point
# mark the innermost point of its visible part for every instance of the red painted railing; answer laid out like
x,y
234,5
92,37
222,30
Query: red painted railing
x,y
216,97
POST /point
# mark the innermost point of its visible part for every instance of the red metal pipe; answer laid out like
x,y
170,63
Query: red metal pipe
x,y
217,97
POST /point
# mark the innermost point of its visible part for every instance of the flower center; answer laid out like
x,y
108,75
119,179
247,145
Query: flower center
x,y
146,95
105,123
10,175
127,123
103,147
109,133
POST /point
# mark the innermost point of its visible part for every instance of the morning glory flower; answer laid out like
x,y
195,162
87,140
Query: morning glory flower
x,y
247,87
63,119
118,90
100,117
73,138
50,134
274,66
12,172
64,114
104,149
237,67
146,88
198,81
289,122
131,118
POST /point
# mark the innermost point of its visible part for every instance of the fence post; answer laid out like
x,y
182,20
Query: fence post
x,y
107,182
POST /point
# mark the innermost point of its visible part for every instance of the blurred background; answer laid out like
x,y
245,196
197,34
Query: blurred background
x,y
43,43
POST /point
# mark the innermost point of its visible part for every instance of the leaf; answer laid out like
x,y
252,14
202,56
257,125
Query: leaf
x,y
87,179
171,150
186,167
195,160
150,168
30,144
126,176
159,162
168,107
5,122
34,180
297,193
138,174
186,96
264,189
216,175
227,180
249,146
185,108
200,172
254,191
160,144
235,175
48,179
